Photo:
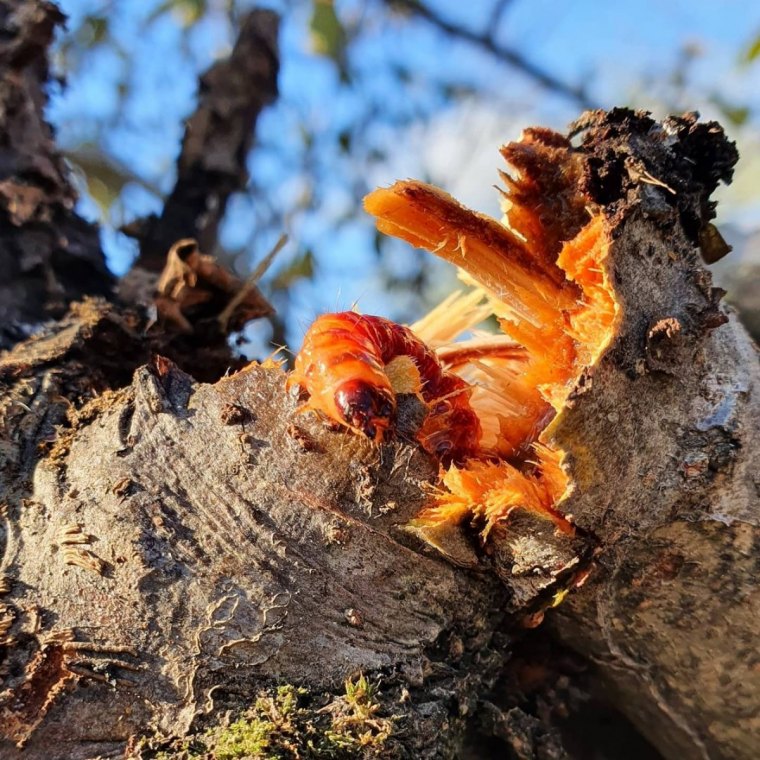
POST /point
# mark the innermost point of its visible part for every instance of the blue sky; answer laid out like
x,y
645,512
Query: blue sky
x,y
624,53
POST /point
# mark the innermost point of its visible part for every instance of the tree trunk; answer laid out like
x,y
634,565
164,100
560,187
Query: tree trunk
x,y
171,548
49,256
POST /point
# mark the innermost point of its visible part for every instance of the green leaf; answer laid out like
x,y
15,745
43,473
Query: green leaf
x,y
378,242
188,11
105,179
753,51
345,140
301,268
736,114
328,37
94,30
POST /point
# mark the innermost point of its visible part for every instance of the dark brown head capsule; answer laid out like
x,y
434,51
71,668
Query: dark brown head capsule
x,y
366,408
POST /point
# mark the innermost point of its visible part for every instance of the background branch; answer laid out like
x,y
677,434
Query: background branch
x,y
212,162
49,256
487,40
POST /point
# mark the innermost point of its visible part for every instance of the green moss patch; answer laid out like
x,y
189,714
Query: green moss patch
x,y
289,723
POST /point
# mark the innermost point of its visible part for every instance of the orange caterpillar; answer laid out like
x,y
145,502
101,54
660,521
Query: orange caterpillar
x,y
343,366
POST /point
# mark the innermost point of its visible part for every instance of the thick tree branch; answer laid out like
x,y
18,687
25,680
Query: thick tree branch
x,y
215,486
212,162
170,547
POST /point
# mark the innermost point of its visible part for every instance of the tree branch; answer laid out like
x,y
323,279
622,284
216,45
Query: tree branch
x,y
49,256
170,547
486,41
212,162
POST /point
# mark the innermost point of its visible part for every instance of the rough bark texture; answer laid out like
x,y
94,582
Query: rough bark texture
x,y
49,256
170,546
206,539
662,438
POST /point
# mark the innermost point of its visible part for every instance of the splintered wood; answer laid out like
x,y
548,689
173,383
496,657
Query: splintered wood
x,y
541,273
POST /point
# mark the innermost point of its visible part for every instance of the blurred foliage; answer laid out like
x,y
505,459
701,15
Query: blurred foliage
x,y
188,12
752,52
370,91
328,37
300,268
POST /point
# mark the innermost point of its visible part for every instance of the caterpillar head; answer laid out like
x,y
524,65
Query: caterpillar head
x,y
366,408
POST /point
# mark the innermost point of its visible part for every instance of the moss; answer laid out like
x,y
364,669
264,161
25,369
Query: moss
x,y
356,721
270,729
289,723
244,738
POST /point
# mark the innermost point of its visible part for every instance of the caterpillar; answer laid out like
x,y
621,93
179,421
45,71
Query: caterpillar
x,y
344,363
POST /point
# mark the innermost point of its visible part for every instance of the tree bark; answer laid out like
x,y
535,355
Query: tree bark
x,y
171,547
663,448
49,256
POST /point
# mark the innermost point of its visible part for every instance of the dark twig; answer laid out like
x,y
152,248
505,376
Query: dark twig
x,y
212,162
486,40
500,7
